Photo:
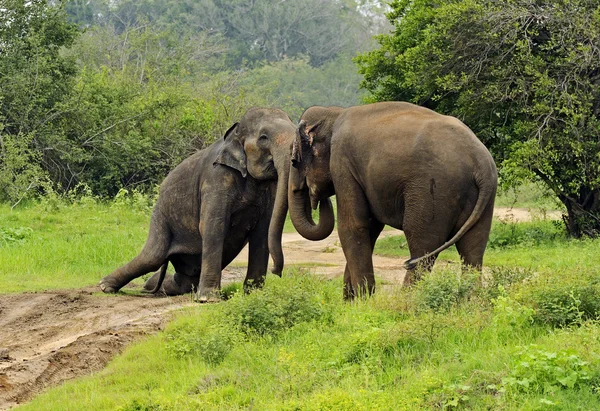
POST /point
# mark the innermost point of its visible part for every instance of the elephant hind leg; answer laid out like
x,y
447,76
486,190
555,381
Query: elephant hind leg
x,y
471,246
152,257
186,277
420,244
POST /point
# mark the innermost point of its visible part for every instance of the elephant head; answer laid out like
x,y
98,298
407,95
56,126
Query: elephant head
x,y
260,145
310,181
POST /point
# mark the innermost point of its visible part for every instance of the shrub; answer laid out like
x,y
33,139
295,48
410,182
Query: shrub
x,y
443,289
541,371
525,234
564,298
508,312
278,307
210,341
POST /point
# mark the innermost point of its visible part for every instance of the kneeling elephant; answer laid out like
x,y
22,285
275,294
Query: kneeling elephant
x,y
214,203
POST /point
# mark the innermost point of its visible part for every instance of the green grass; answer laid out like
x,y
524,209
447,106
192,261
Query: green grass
x,y
67,246
529,195
297,346
527,339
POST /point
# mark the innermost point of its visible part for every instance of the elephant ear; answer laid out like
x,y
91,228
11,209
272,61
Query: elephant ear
x,y
232,153
302,153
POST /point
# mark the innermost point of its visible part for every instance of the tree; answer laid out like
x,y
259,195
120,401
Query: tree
x,y
523,74
35,78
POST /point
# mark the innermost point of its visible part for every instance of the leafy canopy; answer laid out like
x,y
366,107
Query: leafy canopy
x,y
523,74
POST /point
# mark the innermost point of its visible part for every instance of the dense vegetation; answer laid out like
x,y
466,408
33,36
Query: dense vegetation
x,y
114,94
523,75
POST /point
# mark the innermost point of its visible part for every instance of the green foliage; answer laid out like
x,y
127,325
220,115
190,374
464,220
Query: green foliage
x,y
527,234
510,313
268,312
541,371
563,298
441,290
138,405
209,341
36,78
16,235
500,278
523,75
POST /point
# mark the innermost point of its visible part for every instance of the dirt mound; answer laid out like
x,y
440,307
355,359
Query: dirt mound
x,y
51,337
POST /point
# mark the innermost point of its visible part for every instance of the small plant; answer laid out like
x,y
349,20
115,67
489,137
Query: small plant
x,y
541,371
273,309
137,405
328,249
500,278
563,299
508,312
230,290
209,342
441,290
17,235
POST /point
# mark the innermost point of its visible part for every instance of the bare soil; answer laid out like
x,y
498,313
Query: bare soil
x,y
50,337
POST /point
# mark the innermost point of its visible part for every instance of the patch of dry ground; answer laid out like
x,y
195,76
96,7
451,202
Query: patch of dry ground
x,y
50,337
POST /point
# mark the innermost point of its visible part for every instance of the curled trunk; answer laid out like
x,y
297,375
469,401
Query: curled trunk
x,y
299,204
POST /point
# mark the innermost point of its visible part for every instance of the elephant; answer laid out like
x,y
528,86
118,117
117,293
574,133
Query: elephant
x,y
398,164
212,204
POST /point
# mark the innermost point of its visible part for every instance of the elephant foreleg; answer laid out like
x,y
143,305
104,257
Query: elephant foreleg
x,y
375,228
214,224
358,233
258,254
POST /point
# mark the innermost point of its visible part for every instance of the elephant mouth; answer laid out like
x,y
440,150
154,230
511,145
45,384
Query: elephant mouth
x,y
269,170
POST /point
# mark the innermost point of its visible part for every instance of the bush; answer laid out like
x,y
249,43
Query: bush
x,y
525,234
278,307
443,289
501,278
209,341
542,371
562,299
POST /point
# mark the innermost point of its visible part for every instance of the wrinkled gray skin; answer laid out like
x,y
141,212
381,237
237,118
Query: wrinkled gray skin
x,y
214,203
398,164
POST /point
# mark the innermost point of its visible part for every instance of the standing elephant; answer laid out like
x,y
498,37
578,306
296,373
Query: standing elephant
x,y
215,202
398,164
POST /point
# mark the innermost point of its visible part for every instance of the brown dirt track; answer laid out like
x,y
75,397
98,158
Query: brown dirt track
x,y
50,337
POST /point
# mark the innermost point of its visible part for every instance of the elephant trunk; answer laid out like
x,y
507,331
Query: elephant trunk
x,y
280,208
300,210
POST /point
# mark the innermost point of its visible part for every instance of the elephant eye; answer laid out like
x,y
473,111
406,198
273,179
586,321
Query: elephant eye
x,y
263,137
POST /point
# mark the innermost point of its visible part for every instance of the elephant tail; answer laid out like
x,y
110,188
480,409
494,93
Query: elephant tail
x,y
487,192
161,278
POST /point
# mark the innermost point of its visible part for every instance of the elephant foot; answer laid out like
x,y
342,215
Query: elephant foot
x,y
208,296
108,285
172,285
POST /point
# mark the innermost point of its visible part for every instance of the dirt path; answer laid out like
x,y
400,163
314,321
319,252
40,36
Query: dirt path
x,y
50,337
